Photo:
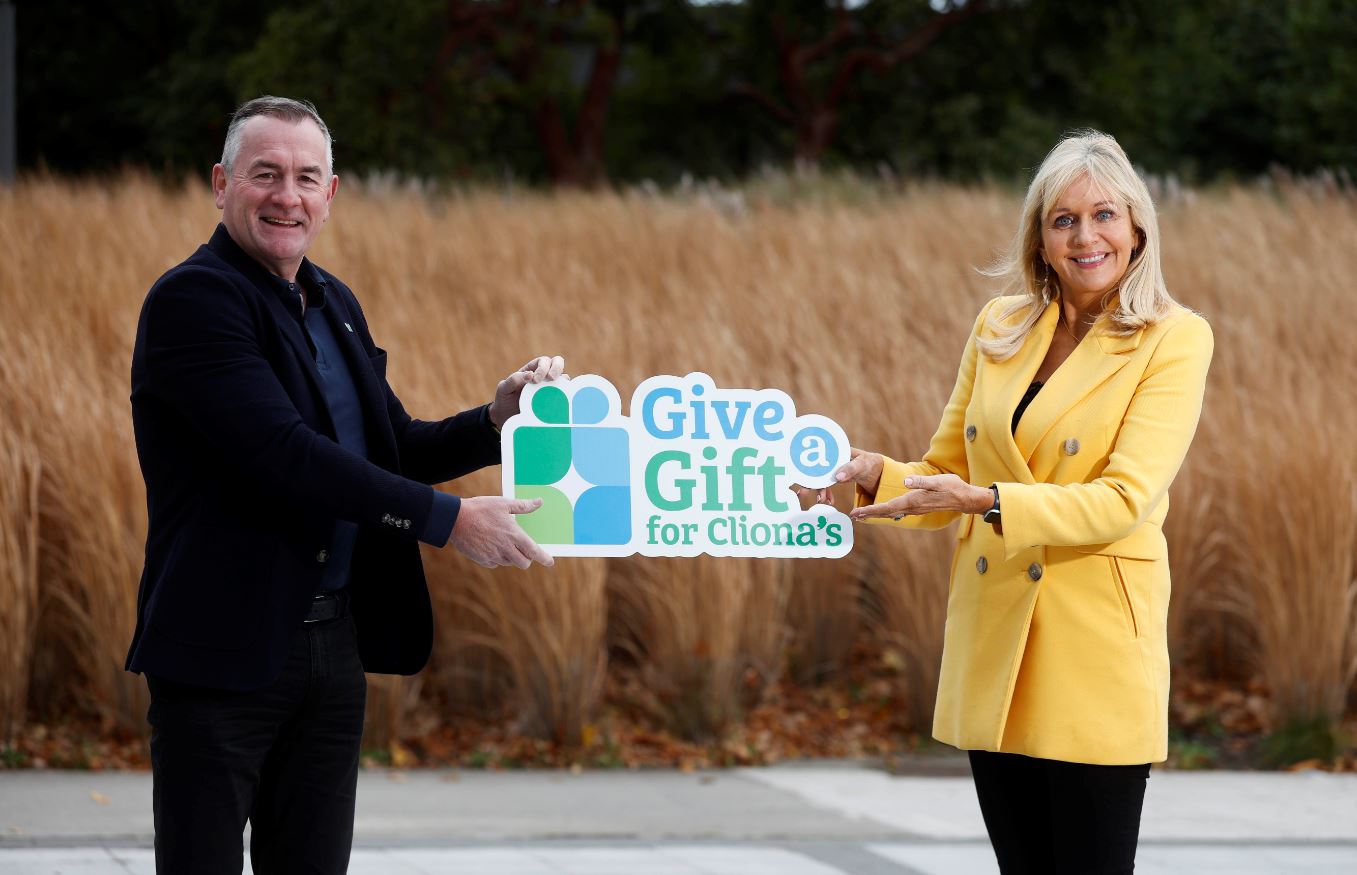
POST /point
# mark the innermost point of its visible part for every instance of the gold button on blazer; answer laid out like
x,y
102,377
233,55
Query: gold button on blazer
x,y
1071,664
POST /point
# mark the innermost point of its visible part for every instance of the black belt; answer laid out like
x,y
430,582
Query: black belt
x,y
327,606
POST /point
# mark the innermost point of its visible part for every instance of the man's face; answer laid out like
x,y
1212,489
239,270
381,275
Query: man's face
x,y
277,195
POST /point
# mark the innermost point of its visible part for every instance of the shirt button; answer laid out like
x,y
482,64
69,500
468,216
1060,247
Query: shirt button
x,y
405,524
970,432
982,565
1034,571
322,556
1071,446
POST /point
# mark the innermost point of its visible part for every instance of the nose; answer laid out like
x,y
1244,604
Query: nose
x,y
285,194
1084,235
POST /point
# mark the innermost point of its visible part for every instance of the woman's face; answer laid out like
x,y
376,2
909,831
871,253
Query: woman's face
x,y
1087,240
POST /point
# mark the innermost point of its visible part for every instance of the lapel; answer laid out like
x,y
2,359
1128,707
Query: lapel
x,y
286,313
1009,380
1091,364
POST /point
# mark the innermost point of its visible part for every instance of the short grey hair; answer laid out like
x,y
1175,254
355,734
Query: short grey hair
x,y
284,108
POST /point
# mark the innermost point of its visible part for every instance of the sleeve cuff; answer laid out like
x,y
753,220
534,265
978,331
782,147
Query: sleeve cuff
x,y
442,517
892,485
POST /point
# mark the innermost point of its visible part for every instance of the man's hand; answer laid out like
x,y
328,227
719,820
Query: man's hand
x,y
862,468
939,492
487,533
510,389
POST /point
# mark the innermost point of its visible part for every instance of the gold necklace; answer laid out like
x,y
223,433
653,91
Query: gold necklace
x,y
1068,329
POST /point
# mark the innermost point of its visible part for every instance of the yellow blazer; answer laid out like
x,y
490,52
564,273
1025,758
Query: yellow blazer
x,y
1056,644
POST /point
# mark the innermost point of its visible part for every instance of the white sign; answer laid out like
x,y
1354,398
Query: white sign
x,y
694,469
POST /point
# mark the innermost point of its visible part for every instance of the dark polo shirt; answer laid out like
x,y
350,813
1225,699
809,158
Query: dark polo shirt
x,y
346,412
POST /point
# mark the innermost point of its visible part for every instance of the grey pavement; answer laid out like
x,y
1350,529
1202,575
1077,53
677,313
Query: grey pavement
x,y
821,819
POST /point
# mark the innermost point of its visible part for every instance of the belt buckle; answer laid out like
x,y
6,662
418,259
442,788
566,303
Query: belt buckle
x,y
324,606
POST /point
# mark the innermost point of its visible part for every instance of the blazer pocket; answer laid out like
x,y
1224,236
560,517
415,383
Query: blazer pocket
x,y
379,363
1124,593
1146,542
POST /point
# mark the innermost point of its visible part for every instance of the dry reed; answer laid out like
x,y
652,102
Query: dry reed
x,y
857,310
707,634
18,575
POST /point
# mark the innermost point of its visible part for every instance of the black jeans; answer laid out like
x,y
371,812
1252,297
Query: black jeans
x,y
1048,817
284,757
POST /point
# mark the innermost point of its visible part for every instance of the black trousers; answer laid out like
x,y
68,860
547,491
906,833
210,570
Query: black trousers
x,y
284,757
1047,817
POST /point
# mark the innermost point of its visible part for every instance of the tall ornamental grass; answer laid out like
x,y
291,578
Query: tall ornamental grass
x,y
857,307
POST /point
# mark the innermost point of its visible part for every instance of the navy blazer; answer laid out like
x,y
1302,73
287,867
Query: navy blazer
x,y
245,478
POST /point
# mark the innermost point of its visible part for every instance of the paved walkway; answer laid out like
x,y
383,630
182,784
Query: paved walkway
x,y
793,820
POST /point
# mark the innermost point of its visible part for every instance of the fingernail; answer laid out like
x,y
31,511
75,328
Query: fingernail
x,y
910,481
841,476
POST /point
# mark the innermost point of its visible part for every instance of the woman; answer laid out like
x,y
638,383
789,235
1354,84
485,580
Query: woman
x,y
1077,397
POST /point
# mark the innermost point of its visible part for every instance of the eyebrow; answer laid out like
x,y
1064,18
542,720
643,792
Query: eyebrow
x,y
274,165
1060,209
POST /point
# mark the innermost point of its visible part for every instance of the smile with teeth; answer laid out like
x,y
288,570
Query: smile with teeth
x,y
286,223
1090,260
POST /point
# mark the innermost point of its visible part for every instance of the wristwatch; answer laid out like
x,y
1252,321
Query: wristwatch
x,y
992,515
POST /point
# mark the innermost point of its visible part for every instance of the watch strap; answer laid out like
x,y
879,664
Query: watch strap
x,y
992,515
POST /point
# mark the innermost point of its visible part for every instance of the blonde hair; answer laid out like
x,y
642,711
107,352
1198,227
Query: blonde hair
x,y
1142,297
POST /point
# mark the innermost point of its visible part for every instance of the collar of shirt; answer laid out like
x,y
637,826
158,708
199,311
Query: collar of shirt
x,y
308,275
308,278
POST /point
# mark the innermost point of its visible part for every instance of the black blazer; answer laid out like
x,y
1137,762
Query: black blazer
x,y
245,477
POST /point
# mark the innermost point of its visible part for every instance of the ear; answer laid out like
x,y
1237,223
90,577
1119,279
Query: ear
x,y
219,185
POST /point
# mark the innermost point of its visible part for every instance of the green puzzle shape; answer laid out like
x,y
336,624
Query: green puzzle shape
x,y
554,521
541,455
551,406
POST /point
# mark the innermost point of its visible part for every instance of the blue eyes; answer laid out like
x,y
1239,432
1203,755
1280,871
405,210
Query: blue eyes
x,y
1067,221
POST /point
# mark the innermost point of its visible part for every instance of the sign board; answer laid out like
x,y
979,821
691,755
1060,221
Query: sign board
x,y
694,469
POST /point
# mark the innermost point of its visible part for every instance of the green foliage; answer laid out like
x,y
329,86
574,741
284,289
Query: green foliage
x,y
1301,740
1196,750
1206,90
102,84
370,66
375,756
12,757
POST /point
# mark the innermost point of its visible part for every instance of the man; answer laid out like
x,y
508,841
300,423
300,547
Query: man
x,y
287,491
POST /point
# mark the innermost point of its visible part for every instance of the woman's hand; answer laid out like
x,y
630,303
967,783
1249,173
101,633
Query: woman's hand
x,y
939,492
862,468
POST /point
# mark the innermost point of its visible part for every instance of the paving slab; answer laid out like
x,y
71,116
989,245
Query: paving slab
x,y
1192,806
941,858
821,819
